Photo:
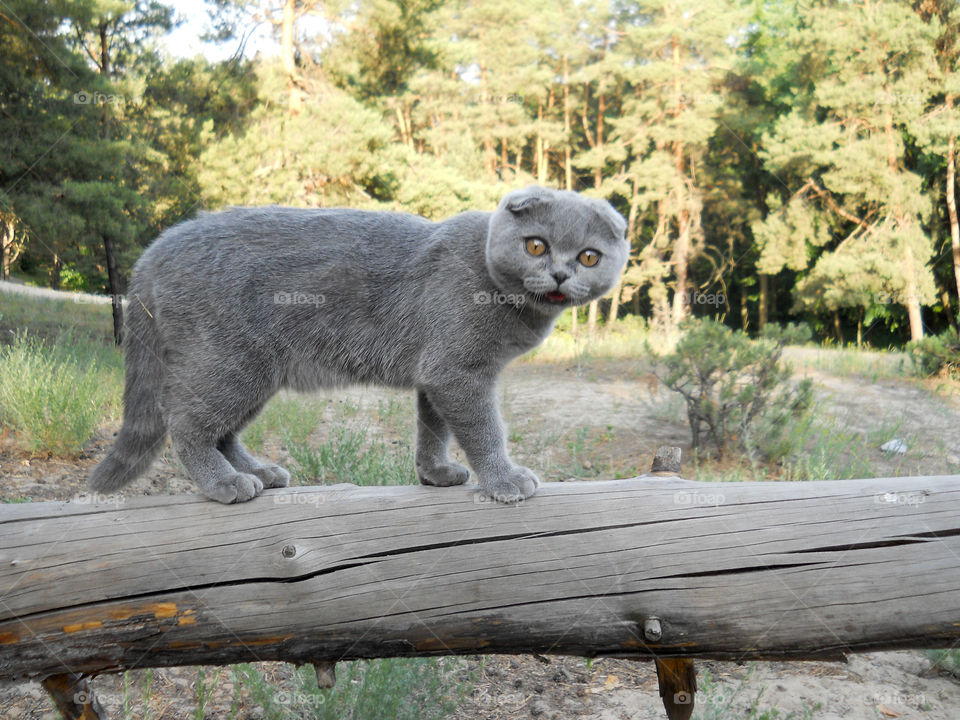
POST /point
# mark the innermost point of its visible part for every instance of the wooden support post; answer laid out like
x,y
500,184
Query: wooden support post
x,y
73,696
677,677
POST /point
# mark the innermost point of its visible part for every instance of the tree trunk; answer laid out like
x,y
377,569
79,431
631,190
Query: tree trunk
x,y
541,162
910,287
574,317
681,248
116,289
951,192
287,31
763,315
593,310
601,109
55,272
567,164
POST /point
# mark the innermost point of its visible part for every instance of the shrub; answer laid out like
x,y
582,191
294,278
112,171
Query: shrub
x,y
53,402
737,390
937,354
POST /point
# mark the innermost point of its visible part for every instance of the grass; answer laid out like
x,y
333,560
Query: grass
x,y
48,318
947,661
873,365
395,688
54,394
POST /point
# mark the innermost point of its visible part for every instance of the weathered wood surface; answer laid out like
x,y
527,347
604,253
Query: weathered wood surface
x,y
732,570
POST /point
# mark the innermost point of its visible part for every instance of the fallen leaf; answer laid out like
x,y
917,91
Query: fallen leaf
x,y
884,710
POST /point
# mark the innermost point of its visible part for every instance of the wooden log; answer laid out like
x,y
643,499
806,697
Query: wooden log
x,y
731,570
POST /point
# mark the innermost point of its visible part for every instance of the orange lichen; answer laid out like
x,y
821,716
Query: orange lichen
x,y
88,625
9,638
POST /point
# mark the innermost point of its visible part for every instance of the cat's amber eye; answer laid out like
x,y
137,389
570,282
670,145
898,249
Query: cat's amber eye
x,y
535,246
589,258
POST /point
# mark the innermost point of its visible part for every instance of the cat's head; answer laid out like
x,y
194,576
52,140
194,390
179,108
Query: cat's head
x,y
555,248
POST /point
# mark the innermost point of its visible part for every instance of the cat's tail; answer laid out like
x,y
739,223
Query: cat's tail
x,y
142,435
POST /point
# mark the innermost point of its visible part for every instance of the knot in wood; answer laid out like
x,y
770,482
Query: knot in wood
x,y
288,551
652,630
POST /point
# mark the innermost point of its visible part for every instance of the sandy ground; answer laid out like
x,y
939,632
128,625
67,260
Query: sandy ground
x,y
586,421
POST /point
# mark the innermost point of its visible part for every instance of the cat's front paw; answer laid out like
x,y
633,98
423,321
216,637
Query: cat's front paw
x,y
273,476
442,474
235,488
515,485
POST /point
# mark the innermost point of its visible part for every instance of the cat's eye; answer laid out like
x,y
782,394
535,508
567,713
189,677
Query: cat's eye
x,y
589,258
535,246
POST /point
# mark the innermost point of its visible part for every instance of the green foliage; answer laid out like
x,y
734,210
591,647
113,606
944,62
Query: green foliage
x,y
395,688
737,390
937,354
53,396
353,455
791,156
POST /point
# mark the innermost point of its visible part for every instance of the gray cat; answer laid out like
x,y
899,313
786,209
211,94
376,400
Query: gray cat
x,y
226,309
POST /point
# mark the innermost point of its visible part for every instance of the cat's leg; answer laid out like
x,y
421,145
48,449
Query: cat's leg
x,y
215,476
469,407
197,410
270,474
433,464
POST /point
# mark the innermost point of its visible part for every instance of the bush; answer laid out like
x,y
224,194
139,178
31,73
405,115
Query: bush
x,y
737,390
937,355
51,400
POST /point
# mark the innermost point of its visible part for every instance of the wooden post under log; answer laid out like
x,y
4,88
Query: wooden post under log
x,y
730,570
676,677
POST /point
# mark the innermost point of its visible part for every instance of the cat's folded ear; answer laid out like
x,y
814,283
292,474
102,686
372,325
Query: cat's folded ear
x,y
610,217
525,198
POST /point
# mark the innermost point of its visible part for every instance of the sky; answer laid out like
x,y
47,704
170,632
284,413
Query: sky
x,y
185,40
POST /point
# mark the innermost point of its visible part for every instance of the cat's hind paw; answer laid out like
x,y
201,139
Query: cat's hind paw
x,y
445,475
518,484
272,476
235,488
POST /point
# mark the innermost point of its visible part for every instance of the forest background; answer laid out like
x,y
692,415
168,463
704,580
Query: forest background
x,y
776,161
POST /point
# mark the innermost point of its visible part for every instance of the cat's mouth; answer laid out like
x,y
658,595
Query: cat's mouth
x,y
554,296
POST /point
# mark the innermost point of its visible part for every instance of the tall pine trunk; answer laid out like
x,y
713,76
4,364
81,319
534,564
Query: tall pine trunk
x,y
114,282
295,102
911,293
951,191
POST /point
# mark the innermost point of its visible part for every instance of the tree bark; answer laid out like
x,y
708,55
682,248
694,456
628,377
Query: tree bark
x,y
951,192
567,163
593,312
332,573
116,288
287,31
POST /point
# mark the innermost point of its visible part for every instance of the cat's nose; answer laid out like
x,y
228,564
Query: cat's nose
x,y
560,276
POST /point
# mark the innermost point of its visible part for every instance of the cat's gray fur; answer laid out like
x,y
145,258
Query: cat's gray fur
x,y
226,309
